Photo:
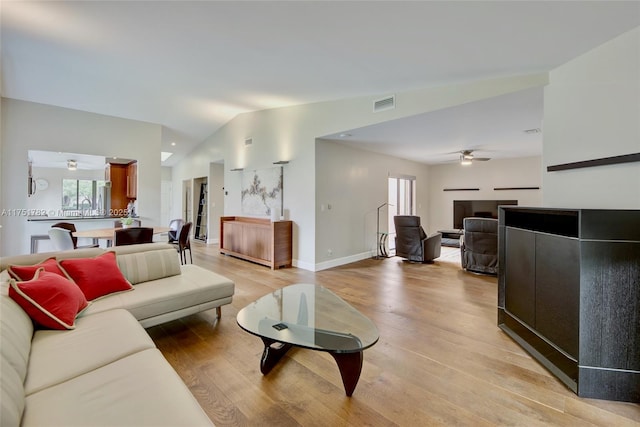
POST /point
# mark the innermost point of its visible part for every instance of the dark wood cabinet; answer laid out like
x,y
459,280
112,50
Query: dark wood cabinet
x,y
124,185
118,178
519,269
132,180
557,296
569,294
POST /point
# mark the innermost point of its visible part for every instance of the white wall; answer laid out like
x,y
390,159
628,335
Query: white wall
x,y
216,201
354,183
290,134
165,173
30,126
592,110
496,173
166,196
193,166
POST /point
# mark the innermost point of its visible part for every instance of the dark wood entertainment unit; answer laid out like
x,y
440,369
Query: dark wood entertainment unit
x,y
569,294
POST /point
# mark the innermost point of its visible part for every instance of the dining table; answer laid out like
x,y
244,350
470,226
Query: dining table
x,y
108,234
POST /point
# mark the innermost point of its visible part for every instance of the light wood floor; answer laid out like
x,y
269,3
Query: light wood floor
x,y
440,360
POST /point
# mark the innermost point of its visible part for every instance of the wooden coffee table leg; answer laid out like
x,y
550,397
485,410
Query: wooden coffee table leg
x,y
272,353
350,365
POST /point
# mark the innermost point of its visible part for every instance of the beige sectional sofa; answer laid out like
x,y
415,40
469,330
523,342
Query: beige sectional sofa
x,y
106,371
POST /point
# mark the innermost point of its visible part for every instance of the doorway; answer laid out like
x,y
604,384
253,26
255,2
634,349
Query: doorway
x,y
402,201
201,207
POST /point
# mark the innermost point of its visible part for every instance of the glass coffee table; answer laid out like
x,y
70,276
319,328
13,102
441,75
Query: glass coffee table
x,y
313,317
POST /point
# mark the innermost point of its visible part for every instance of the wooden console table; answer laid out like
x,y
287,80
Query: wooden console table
x,y
257,239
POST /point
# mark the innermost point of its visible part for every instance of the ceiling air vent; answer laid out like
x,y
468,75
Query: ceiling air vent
x,y
384,104
248,141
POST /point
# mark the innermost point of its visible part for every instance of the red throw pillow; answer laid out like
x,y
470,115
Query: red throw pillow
x,y
97,276
26,272
51,300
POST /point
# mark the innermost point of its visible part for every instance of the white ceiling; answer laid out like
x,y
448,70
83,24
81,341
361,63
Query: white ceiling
x,y
493,128
192,66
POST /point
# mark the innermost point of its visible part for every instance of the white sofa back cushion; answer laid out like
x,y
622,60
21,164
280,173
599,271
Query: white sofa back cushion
x,y
32,259
149,265
16,330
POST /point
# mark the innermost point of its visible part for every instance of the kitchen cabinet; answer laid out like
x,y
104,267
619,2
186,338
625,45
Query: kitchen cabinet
x,y
132,180
117,174
124,185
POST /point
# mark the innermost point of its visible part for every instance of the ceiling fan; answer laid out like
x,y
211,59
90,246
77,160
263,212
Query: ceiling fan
x,y
467,157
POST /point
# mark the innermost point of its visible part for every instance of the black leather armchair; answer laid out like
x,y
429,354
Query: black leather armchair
x,y
412,242
479,245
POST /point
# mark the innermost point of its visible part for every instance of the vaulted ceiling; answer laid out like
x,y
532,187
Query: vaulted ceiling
x,y
192,66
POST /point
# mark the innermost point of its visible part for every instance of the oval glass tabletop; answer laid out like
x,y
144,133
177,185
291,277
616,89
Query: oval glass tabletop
x,y
309,316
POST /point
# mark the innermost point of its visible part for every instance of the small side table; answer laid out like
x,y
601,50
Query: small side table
x,y
451,238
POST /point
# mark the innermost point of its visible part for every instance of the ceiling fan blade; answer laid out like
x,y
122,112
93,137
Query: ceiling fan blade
x,y
481,159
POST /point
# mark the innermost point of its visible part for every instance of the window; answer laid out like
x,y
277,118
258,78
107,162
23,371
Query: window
x,y
402,200
82,195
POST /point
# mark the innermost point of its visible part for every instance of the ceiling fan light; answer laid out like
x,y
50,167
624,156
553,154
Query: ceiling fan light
x,y
465,160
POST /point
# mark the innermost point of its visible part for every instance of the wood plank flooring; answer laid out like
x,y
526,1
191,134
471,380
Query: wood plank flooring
x,y
441,360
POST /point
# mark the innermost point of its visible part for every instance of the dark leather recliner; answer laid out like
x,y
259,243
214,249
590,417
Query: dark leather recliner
x,y
412,242
72,229
479,245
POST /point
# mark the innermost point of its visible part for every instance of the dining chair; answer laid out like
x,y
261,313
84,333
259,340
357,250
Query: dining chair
x,y
175,225
61,239
72,228
118,224
132,236
184,243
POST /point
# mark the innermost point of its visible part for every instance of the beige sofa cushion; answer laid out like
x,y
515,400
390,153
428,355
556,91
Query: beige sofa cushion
x,y
139,390
142,247
11,395
16,330
194,287
31,259
58,356
149,265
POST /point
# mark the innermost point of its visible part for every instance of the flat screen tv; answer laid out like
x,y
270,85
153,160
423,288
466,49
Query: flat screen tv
x,y
476,208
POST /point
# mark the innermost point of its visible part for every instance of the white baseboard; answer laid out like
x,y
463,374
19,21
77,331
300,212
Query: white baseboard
x,y
331,263
342,261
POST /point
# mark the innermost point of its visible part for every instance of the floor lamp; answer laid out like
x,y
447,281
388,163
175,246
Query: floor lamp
x,y
381,238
